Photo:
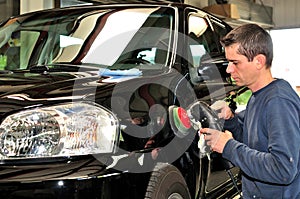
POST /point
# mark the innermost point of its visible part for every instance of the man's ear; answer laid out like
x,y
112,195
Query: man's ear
x,y
260,61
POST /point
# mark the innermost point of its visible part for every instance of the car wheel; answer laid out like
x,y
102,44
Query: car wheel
x,y
166,182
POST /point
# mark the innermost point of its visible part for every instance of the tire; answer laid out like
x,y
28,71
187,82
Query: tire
x,y
166,182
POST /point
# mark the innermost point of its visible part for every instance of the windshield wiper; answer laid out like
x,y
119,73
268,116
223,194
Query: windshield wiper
x,y
59,68
39,69
6,72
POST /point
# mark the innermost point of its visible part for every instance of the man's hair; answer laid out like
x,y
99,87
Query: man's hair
x,y
252,40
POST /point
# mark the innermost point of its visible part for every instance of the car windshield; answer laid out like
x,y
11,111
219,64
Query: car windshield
x,y
115,38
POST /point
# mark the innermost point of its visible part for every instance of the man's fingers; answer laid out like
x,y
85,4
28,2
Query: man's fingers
x,y
228,134
216,139
203,131
220,115
206,131
209,135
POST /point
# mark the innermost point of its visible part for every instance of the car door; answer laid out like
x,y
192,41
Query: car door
x,y
207,70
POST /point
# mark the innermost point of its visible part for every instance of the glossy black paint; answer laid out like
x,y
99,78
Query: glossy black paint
x,y
88,176
70,178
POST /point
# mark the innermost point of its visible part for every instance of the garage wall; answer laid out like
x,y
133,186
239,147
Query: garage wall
x,y
34,5
285,63
286,13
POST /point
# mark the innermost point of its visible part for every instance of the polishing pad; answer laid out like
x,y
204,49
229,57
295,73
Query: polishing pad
x,y
180,122
181,119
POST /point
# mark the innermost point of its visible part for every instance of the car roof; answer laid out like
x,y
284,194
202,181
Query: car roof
x,y
133,1
119,4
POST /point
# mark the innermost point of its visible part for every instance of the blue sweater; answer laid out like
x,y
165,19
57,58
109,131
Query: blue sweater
x,y
267,143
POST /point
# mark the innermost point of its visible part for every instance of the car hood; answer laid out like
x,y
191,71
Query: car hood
x,y
20,90
26,89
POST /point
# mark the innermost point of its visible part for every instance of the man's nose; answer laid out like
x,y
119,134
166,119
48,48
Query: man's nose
x,y
230,67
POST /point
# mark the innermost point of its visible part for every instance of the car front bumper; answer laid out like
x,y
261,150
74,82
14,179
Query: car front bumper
x,y
77,178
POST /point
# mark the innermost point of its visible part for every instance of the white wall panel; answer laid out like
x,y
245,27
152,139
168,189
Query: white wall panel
x,y
286,13
34,5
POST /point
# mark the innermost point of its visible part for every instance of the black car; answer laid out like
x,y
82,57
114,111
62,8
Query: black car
x,y
105,101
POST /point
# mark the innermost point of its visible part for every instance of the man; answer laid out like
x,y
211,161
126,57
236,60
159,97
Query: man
x,y
265,138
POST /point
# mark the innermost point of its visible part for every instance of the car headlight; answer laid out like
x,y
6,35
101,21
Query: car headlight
x,y
63,130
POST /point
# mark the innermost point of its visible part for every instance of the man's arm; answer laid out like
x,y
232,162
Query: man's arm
x,y
280,163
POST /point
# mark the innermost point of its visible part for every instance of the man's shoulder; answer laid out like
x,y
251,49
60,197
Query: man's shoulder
x,y
281,87
282,90
278,91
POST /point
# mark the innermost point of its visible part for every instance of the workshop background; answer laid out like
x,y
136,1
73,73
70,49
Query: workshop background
x,y
280,17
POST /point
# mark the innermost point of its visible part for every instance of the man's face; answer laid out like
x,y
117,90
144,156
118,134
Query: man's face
x,y
240,69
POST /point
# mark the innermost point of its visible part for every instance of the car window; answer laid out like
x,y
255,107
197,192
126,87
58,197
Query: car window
x,y
207,62
197,46
148,55
201,45
220,29
201,32
102,38
13,54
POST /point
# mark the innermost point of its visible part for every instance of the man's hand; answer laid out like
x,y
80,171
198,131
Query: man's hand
x,y
216,139
223,109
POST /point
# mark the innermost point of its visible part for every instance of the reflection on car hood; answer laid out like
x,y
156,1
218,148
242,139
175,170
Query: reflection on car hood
x,y
23,89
